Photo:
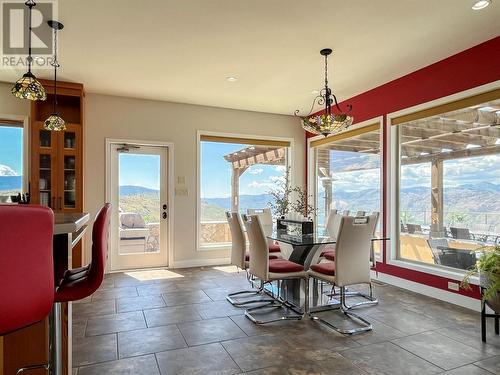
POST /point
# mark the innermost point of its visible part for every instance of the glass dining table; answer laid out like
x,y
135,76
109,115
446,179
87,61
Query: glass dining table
x,y
304,249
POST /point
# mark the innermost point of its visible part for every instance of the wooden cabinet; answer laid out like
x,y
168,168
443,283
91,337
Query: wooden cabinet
x,y
57,168
56,178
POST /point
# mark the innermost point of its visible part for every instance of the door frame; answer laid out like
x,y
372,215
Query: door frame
x,y
170,187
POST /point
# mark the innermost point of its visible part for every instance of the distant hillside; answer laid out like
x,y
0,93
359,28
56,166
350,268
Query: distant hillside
x,y
465,199
132,190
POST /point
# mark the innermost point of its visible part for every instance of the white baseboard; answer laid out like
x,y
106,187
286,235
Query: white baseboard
x,y
199,263
443,295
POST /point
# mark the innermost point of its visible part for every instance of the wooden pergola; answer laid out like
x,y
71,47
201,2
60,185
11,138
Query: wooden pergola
x,y
243,159
460,134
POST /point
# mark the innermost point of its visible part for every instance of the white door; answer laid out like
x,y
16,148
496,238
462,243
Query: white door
x,y
138,183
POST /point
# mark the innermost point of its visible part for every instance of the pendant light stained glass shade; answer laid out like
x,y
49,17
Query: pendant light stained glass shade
x,y
54,122
28,87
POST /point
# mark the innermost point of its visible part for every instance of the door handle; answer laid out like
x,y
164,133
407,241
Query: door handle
x,y
164,215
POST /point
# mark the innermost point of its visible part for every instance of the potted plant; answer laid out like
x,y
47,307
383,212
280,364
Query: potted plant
x,y
488,268
301,204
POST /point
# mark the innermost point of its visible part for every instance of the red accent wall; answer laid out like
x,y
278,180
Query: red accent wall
x,y
473,67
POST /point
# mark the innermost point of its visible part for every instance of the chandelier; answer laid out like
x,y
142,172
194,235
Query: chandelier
x,y
326,123
28,87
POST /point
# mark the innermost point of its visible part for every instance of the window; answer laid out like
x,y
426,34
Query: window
x,y
347,170
11,159
235,174
449,183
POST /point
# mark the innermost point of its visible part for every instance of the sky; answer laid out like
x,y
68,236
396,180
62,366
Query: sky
x,y
11,141
216,172
140,170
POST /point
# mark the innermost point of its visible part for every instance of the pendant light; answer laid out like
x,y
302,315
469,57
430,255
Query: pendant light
x,y
54,121
28,87
328,122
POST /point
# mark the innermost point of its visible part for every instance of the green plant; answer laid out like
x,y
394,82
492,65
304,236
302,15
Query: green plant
x,y
301,205
489,265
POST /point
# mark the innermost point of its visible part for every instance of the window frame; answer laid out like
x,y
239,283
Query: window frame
x,y
243,137
312,175
23,121
445,104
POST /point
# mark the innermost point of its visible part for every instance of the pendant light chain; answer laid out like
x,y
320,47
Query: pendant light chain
x,y
56,65
30,4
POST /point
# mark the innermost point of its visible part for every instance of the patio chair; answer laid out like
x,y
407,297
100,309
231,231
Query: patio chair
x,y
414,228
433,244
461,233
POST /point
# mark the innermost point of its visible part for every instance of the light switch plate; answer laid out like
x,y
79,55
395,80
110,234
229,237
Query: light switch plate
x,y
181,192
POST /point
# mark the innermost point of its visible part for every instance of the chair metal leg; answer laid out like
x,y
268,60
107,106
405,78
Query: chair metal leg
x,y
276,304
54,366
370,300
231,297
364,324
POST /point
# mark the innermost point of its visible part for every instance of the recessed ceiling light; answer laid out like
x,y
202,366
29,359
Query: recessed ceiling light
x,y
446,150
231,79
424,153
481,4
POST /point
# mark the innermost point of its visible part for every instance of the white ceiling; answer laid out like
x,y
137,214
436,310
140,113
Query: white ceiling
x,y
182,51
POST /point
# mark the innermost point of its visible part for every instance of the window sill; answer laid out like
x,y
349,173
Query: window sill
x,y
215,247
433,270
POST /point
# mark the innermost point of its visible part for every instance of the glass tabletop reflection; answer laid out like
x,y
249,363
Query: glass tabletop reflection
x,y
319,237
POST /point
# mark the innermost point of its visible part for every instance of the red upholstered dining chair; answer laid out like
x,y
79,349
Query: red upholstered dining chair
x,y
26,267
351,266
240,258
269,270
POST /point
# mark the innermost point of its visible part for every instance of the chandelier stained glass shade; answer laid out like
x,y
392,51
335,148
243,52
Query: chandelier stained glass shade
x,y
326,122
28,87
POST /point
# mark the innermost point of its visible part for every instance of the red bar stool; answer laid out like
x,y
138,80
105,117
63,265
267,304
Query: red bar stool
x,y
82,282
26,268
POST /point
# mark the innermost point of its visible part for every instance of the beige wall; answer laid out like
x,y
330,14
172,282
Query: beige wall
x,y
118,117
127,118
9,105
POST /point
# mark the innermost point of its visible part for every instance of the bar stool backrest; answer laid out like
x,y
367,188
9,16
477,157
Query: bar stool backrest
x,y
352,250
239,244
259,250
265,216
100,231
26,265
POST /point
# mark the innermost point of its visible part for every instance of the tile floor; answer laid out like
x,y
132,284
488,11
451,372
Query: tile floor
x,y
177,322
